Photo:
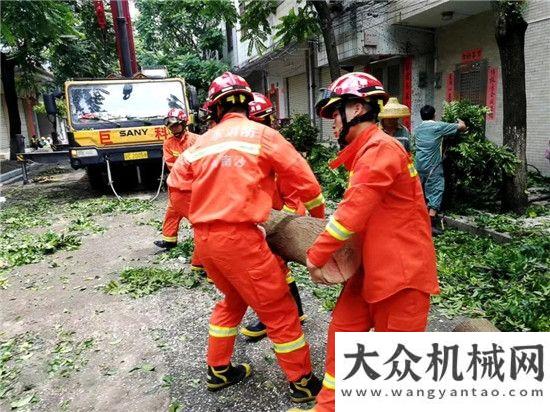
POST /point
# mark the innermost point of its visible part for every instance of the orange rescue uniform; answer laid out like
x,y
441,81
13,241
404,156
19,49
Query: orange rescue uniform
x,y
290,203
231,175
384,205
172,148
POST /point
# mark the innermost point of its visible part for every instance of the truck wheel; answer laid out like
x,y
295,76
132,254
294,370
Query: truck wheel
x,y
95,177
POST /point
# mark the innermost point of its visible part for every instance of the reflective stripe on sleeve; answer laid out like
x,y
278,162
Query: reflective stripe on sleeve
x,y
313,203
245,147
337,230
412,170
289,209
329,381
349,179
290,346
221,331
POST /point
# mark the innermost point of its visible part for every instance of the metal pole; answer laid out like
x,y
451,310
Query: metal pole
x,y
123,39
24,170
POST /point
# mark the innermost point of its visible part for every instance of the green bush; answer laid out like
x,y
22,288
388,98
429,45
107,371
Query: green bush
x,y
333,182
301,132
304,136
506,283
474,166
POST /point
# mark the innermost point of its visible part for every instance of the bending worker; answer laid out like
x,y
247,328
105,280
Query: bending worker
x,y
230,173
390,120
428,137
384,206
261,110
181,139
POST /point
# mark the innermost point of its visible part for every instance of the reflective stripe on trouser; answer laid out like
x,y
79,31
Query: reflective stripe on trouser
x,y
239,261
171,223
405,311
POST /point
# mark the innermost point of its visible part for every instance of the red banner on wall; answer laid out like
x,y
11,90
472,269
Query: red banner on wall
x,y
469,56
492,85
450,87
407,87
100,13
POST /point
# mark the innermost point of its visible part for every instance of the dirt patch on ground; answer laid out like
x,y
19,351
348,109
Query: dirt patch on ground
x,y
74,347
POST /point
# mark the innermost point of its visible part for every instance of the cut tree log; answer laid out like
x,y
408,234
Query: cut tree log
x,y
475,325
290,236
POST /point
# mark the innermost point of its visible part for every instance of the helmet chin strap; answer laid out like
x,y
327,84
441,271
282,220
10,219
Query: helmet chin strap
x,y
342,142
345,127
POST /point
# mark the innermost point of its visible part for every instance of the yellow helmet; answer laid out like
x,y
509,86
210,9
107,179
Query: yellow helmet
x,y
394,110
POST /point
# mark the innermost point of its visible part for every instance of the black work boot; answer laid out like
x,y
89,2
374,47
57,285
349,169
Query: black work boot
x,y
255,330
437,225
200,271
305,389
165,245
220,377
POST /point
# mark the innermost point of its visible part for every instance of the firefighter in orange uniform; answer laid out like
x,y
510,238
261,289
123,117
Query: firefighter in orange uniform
x,y
261,110
230,172
173,147
383,205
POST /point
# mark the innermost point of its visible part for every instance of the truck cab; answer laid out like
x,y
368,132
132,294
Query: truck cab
x,y
119,123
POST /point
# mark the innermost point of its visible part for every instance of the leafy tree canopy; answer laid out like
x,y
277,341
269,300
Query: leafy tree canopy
x,y
185,36
28,30
301,23
91,52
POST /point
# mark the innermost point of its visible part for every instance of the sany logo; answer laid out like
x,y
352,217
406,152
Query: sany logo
x,y
138,132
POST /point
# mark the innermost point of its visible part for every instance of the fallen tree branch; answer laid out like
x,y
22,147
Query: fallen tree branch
x,y
476,325
290,236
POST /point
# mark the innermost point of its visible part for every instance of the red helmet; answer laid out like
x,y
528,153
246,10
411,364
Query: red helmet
x,y
226,85
175,116
260,108
351,85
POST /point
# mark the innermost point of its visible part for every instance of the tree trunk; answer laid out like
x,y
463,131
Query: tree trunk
x,y
510,30
325,21
290,236
476,325
10,94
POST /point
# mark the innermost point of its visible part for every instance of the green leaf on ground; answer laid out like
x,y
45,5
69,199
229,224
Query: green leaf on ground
x,y
175,406
146,367
23,401
142,281
167,381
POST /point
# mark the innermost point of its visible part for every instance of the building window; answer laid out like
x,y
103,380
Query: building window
x,y
393,84
471,82
378,72
229,36
389,73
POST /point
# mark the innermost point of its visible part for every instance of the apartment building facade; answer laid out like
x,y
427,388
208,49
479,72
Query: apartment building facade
x,y
424,51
